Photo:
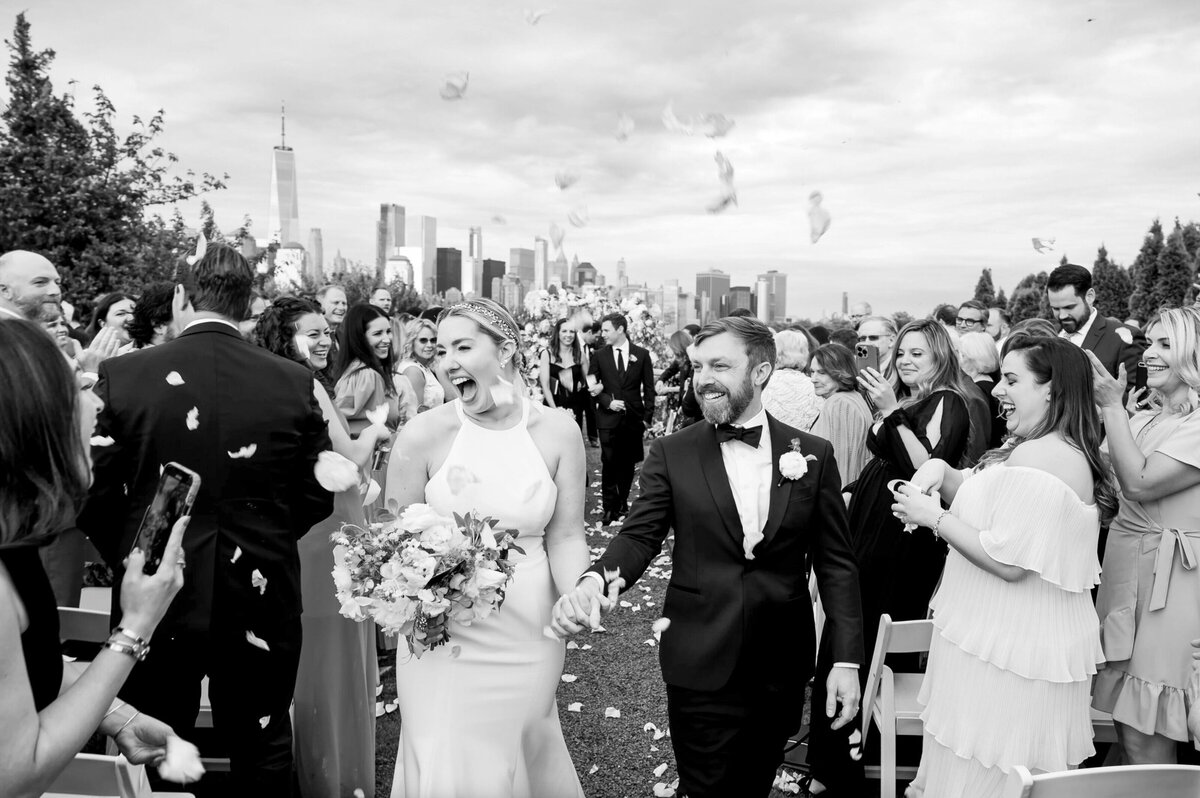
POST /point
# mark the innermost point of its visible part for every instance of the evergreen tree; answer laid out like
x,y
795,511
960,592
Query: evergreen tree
x,y
1112,286
1001,300
985,290
1028,299
1143,303
1174,271
80,194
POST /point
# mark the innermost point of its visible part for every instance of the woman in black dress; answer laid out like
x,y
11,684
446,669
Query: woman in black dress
x,y
920,413
561,370
676,384
47,714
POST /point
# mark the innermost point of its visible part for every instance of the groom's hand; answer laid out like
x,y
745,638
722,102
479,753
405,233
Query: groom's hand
x,y
842,688
577,610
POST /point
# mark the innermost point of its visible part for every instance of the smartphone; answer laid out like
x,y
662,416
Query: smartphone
x,y
177,489
1139,379
866,356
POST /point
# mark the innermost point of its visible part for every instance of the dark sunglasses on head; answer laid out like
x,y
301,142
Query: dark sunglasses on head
x,y
862,338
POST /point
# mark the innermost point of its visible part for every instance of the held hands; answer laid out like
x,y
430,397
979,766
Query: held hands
x,y
144,741
581,608
144,599
914,507
842,688
878,390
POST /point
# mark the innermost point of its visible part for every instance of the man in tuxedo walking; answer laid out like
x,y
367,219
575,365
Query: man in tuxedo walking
x,y
622,380
247,422
749,499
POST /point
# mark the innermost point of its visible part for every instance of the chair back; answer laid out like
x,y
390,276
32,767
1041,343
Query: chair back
x,y
101,776
895,637
84,626
1153,781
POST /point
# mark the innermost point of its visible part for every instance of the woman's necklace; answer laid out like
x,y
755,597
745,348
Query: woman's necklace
x,y
1151,424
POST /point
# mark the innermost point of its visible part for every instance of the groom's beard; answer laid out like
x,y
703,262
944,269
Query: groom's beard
x,y
724,409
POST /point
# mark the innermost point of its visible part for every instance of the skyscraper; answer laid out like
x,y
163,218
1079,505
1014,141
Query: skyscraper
x,y
762,301
421,249
283,217
449,269
521,265
740,296
473,266
541,263
776,296
492,270
314,264
389,232
715,286
623,276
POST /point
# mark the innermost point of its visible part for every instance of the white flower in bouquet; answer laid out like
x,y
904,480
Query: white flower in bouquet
x,y
419,517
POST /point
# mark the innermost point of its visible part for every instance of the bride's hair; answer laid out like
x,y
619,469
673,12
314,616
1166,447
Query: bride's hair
x,y
494,321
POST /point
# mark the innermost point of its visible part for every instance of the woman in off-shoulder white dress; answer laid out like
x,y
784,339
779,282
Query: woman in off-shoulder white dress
x,y
1016,640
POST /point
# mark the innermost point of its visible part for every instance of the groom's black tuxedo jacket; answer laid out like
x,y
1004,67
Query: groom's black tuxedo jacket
x,y
726,611
262,504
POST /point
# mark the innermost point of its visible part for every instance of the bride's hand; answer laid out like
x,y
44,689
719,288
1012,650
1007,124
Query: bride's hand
x,y
577,610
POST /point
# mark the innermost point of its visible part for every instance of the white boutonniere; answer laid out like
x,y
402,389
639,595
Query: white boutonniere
x,y
793,464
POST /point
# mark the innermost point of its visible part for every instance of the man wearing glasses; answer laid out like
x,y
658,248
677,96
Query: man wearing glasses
x,y
880,332
972,317
858,312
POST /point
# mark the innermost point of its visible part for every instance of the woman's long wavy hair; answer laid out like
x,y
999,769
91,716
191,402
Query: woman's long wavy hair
x,y
1182,328
43,464
947,375
412,329
100,313
352,344
838,362
1072,412
556,343
276,328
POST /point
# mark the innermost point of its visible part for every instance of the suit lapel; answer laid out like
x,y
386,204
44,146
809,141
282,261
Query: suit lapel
x,y
1095,333
781,489
713,467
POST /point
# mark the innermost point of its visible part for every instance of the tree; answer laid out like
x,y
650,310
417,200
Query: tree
x,y
1028,299
1174,271
1001,300
1142,303
985,290
80,194
1112,285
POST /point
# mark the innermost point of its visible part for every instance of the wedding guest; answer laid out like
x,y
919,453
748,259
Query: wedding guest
x,y
1072,299
972,316
112,311
335,683
981,363
150,324
479,715
334,305
788,394
946,315
562,369
1031,328
416,363
846,336
27,282
821,333
589,336
382,299
880,332
49,711
258,304
859,311
676,382
364,373
1149,597
406,397
52,321
1016,641
845,418
999,324
921,413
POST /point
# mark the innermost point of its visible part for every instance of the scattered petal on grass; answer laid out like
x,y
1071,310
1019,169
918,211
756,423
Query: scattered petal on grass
x,y
661,769
575,706
572,645
653,749
244,453
612,712
593,769
101,440
664,790
174,379
256,641
569,677
237,554
786,782
193,419
596,630
586,646
627,604
259,581
650,642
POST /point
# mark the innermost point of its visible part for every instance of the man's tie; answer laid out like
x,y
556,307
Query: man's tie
x,y
747,435
620,364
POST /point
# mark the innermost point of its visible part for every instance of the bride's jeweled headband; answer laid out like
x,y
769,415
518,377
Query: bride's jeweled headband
x,y
491,315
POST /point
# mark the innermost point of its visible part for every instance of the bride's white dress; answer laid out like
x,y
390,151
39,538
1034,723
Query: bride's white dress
x,y
485,724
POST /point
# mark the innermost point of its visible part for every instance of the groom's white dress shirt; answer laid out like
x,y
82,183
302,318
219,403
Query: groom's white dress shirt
x,y
749,471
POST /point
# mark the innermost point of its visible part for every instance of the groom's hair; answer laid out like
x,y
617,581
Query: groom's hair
x,y
756,336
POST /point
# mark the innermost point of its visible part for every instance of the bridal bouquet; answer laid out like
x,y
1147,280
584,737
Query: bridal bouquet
x,y
414,573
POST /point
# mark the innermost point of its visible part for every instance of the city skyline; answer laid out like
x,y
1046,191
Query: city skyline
x,y
942,137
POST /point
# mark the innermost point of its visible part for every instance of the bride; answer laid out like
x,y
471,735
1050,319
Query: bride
x,y
479,717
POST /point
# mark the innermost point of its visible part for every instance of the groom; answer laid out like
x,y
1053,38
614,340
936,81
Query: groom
x,y
749,498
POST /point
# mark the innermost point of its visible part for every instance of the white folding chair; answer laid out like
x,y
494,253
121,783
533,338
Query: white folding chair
x,y
890,699
104,777
84,626
1152,781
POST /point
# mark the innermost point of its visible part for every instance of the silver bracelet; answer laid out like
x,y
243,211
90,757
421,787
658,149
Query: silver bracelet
x,y
937,525
131,717
119,705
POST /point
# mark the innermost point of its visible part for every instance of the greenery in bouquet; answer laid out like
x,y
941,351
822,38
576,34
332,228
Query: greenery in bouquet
x,y
413,574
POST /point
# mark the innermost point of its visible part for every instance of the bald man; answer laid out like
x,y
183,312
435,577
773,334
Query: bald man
x,y
28,281
858,312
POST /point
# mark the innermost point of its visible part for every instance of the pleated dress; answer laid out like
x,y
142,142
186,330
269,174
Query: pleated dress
x,y
1011,663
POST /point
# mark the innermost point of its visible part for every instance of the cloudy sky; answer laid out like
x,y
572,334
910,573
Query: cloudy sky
x,y
942,135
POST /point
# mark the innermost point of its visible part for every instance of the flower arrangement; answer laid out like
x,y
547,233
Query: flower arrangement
x,y
414,573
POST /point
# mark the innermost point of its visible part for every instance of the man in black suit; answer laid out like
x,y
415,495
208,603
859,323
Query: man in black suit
x,y
589,334
247,422
749,499
622,380
1072,298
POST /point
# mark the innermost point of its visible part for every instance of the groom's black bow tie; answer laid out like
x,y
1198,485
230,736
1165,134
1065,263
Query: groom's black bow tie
x,y
747,435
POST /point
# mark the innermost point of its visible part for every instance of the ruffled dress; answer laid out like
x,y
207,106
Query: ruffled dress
x,y
1149,602
1011,663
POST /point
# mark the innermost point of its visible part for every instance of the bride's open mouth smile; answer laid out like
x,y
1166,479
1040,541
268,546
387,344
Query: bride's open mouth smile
x,y
467,388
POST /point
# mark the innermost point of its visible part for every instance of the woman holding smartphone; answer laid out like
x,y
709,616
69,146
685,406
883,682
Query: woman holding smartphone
x,y
47,712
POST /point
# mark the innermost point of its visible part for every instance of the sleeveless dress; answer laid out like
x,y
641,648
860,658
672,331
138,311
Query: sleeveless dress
x,y
1150,594
334,717
485,724
39,642
1011,663
435,394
